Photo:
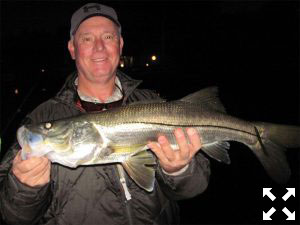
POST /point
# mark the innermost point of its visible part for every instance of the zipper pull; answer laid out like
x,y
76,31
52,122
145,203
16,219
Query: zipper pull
x,y
123,182
125,188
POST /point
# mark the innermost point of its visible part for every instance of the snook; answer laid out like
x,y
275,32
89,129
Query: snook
x,y
120,136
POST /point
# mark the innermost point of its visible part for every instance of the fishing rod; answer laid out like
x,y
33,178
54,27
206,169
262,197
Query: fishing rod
x,y
19,109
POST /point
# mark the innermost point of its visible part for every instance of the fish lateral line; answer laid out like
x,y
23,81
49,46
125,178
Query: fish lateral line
x,y
195,126
260,141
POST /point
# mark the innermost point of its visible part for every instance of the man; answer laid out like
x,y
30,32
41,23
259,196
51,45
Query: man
x,y
36,191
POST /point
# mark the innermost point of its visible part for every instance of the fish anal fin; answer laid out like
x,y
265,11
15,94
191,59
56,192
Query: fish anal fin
x,y
140,167
218,151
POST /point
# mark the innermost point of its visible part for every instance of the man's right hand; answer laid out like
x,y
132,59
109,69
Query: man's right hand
x,y
33,172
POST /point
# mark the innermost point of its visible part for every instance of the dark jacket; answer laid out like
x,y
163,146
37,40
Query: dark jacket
x,y
93,194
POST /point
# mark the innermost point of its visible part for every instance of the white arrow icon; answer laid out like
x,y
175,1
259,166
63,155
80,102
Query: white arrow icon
x,y
290,192
267,192
291,216
267,215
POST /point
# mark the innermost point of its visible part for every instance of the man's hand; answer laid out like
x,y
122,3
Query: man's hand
x,y
173,161
33,172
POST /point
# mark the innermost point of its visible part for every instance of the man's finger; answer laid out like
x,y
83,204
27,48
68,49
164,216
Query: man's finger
x,y
182,143
166,148
194,139
155,147
29,164
40,168
44,176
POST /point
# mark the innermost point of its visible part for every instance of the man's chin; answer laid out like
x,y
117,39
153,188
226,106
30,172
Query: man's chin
x,y
102,76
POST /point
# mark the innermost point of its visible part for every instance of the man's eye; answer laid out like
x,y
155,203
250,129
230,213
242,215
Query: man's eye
x,y
108,37
87,39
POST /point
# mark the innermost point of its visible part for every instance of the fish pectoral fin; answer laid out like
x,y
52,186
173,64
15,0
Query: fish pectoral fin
x,y
218,151
140,167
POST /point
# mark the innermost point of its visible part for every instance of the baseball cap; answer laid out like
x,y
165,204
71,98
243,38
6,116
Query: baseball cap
x,y
90,10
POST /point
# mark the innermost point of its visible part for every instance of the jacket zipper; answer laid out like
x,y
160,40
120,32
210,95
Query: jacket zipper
x,y
123,183
126,193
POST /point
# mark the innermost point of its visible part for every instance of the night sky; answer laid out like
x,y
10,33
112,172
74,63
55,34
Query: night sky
x,y
249,49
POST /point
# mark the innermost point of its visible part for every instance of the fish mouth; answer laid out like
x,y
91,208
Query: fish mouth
x,y
28,139
21,136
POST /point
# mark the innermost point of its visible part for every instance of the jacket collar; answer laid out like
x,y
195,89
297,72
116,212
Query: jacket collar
x,y
68,92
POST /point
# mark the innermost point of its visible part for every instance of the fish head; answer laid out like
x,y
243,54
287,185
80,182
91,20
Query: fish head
x,y
39,139
64,137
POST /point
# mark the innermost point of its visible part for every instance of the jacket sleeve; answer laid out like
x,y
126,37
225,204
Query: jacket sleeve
x,y
188,184
19,203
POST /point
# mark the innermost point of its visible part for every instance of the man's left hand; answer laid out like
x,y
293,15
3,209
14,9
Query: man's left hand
x,y
171,160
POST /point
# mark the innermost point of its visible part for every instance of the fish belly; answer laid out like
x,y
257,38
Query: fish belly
x,y
135,136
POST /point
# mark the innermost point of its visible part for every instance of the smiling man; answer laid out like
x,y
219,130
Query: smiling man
x,y
96,47
35,191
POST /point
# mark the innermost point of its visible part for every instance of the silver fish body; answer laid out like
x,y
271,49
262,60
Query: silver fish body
x,y
121,135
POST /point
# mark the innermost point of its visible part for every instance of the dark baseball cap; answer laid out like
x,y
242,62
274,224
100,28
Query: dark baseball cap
x,y
90,10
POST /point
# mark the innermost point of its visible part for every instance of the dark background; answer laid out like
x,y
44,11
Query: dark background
x,y
249,49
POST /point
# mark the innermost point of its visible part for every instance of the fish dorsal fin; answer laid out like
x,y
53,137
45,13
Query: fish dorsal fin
x,y
140,167
217,151
208,97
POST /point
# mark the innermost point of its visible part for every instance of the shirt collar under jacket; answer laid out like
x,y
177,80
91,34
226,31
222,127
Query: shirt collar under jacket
x,y
116,96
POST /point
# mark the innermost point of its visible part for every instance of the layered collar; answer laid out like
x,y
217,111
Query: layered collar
x,y
68,93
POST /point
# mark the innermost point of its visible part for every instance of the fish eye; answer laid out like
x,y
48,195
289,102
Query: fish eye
x,y
48,125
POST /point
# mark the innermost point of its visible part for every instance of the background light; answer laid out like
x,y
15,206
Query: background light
x,y
153,58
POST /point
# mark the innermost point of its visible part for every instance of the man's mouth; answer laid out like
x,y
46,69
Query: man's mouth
x,y
99,60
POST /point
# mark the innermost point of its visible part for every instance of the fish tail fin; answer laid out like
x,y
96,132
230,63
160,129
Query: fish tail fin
x,y
287,136
139,167
272,141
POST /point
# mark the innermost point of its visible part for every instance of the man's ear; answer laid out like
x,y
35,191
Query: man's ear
x,y
71,48
121,45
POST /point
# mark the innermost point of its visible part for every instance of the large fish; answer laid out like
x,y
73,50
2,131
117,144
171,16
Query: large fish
x,y
121,135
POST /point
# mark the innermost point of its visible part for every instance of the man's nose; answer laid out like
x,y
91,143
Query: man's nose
x,y
99,45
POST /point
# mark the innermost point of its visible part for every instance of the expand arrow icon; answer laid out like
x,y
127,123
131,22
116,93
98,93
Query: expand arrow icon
x,y
267,215
267,192
291,216
290,192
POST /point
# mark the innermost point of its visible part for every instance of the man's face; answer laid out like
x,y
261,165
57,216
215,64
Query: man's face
x,y
96,48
